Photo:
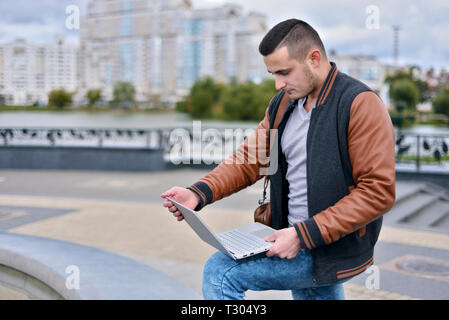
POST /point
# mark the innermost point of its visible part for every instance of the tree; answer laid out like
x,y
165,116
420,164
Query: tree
x,y
181,106
207,84
264,93
243,102
202,103
247,101
93,96
234,101
203,99
124,93
59,98
441,103
404,91
424,92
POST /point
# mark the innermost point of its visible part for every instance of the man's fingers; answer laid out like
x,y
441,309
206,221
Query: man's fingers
x,y
271,252
168,193
171,207
171,193
178,215
270,238
167,204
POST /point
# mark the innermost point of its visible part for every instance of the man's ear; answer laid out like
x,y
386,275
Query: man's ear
x,y
314,58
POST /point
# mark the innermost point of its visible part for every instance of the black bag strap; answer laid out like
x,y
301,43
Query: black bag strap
x,y
282,100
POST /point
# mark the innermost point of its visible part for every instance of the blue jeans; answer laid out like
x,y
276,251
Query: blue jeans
x,y
227,279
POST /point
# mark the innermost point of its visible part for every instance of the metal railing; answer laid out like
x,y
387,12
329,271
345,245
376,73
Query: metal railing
x,y
422,150
412,150
86,137
175,141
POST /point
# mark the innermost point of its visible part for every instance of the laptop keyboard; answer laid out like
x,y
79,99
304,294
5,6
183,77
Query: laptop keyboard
x,y
239,242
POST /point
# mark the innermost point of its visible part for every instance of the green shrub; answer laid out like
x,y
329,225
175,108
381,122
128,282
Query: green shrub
x,y
59,98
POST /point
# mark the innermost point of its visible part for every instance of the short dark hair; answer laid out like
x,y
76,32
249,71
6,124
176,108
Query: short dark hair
x,y
298,36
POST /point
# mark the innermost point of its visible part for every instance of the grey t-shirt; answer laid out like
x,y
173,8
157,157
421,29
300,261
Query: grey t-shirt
x,y
294,147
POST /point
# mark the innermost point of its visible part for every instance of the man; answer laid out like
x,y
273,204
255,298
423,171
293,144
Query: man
x,y
335,177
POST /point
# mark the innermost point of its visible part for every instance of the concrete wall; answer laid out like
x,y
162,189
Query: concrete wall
x,y
120,159
17,285
82,158
37,268
440,178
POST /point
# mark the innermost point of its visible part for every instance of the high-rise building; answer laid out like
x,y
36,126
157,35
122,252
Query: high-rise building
x,y
369,70
164,46
28,72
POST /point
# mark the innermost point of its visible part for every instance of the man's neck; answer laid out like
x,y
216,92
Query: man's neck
x,y
321,78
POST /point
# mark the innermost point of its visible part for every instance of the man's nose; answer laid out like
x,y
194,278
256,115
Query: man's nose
x,y
279,84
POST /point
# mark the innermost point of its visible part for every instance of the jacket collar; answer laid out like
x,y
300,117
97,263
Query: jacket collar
x,y
327,86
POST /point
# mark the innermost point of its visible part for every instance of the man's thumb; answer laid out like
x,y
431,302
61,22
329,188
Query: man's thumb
x,y
270,238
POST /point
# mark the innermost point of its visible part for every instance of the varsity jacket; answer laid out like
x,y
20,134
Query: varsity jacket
x,y
350,174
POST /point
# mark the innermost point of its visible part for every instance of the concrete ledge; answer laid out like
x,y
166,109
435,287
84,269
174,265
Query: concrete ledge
x,y
37,266
16,285
81,158
440,177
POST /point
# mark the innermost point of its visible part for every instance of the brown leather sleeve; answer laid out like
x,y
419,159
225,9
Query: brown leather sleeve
x,y
371,139
248,164
240,170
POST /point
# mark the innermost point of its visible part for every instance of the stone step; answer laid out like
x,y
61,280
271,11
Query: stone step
x,y
432,188
421,208
431,215
402,211
405,191
443,223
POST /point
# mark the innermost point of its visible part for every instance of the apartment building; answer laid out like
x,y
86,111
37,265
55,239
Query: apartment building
x,y
367,69
28,72
164,46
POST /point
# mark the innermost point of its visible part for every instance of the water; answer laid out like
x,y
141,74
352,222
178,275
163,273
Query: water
x,y
426,129
27,119
72,119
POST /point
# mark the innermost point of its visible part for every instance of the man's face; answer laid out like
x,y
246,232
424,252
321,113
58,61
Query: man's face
x,y
294,77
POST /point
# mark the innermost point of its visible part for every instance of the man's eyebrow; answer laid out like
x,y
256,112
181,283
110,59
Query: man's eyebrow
x,y
280,71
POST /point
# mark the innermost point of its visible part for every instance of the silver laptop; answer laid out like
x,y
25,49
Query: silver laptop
x,y
237,243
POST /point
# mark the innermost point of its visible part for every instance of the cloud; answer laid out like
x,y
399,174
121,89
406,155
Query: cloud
x,y
35,31
423,36
36,24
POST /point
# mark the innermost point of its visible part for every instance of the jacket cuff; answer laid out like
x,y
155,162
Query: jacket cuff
x,y
204,193
309,235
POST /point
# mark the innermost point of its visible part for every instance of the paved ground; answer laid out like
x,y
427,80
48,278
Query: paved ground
x,y
123,213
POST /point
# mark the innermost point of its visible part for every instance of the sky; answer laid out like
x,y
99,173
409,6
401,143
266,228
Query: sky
x,y
349,27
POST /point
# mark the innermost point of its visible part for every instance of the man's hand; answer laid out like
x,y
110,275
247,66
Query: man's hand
x,y
182,195
286,243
